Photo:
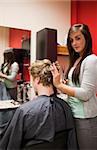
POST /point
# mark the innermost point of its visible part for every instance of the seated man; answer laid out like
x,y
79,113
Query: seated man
x,y
39,121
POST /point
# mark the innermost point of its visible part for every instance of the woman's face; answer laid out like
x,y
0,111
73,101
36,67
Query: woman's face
x,y
78,41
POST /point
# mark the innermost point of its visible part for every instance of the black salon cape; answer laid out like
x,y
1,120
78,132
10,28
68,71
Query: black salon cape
x,y
37,121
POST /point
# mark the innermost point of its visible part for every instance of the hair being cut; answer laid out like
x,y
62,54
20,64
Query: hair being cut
x,y
42,69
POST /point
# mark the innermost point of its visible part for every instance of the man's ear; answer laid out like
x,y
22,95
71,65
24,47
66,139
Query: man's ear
x,y
37,80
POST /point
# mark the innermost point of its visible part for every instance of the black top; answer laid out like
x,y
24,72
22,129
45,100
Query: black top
x,y
37,121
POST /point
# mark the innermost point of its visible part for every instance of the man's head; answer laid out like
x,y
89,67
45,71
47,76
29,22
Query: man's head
x,y
41,74
41,69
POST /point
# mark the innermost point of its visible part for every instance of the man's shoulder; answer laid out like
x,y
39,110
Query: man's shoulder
x,y
34,105
43,103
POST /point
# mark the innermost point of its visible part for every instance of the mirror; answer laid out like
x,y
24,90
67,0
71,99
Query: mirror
x,y
19,41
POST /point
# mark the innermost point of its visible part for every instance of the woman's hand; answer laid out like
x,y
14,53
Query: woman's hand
x,y
2,75
60,83
56,75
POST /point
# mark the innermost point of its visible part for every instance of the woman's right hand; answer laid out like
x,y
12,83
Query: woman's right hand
x,y
56,75
2,75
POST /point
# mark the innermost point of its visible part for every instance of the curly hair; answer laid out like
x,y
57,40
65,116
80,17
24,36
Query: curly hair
x,y
41,68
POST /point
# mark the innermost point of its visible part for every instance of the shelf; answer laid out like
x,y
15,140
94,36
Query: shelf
x,y
62,50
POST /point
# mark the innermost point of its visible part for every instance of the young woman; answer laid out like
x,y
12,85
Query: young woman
x,y
81,87
9,71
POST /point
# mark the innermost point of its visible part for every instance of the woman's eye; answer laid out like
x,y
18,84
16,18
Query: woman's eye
x,y
78,38
75,39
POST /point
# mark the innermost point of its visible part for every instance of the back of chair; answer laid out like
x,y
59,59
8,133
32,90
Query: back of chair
x,y
59,143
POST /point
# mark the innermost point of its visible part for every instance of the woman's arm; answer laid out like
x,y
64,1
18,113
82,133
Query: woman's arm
x,y
88,79
58,82
14,71
88,82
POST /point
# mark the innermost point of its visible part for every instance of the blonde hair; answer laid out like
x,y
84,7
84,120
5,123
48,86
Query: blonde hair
x,y
42,69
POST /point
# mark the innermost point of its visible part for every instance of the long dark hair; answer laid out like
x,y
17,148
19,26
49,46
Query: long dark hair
x,y
73,56
9,56
9,59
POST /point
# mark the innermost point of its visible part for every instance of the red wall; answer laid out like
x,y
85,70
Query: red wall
x,y
16,36
86,12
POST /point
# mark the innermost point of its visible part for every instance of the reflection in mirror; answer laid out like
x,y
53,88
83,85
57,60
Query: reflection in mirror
x,y
19,41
